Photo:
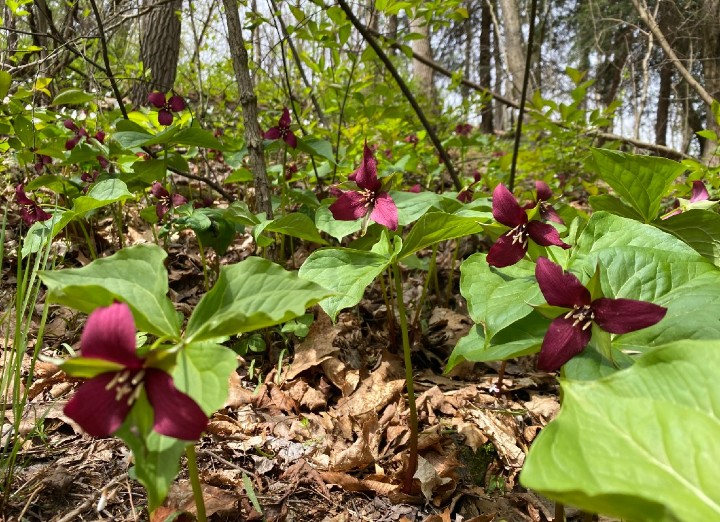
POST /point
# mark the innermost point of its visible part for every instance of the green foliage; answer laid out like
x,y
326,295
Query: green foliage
x,y
657,419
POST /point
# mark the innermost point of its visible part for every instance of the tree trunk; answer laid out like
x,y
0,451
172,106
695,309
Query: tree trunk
x,y
248,100
485,78
514,46
663,107
423,74
159,48
711,68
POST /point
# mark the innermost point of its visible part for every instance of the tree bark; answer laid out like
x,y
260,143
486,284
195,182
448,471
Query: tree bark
x,y
485,78
159,48
422,73
663,107
514,46
248,101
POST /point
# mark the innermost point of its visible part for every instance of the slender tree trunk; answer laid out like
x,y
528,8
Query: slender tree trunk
x,y
662,114
485,64
248,100
422,73
711,69
159,47
514,46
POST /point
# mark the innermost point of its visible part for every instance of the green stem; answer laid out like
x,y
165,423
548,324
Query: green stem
x,y
426,285
195,482
118,217
90,244
413,421
204,264
449,289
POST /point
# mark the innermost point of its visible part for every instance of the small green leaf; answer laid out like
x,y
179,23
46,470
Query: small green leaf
x,y
87,368
296,225
73,97
434,227
5,82
197,137
317,147
202,372
250,295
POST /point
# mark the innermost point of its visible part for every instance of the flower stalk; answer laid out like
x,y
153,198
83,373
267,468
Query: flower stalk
x,y
195,482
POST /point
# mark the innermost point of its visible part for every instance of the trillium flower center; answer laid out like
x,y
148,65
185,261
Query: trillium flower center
x,y
582,315
368,196
127,385
519,235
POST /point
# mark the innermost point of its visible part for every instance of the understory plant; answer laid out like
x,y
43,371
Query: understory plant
x,y
157,397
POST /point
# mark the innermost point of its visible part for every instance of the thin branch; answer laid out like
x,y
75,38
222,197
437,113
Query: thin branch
x,y
405,90
106,59
649,20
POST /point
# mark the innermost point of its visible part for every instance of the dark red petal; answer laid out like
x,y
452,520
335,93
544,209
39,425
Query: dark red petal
x,y
543,191
21,197
39,214
272,133
176,103
291,139
165,117
560,288
699,192
548,213
27,215
157,99
506,209
285,120
385,211
465,195
176,414
178,199
349,207
366,174
109,334
70,125
95,409
544,234
100,136
620,316
562,342
159,191
416,188
161,209
72,142
505,253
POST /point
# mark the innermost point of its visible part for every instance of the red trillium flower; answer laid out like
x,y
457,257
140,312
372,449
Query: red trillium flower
x,y
30,211
79,134
412,138
40,161
166,200
282,130
101,405
167,106
569,334
463,129
699,193
369,199
512,246
544,194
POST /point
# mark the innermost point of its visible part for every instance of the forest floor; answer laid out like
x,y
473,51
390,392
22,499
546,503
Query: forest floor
x,y
319,428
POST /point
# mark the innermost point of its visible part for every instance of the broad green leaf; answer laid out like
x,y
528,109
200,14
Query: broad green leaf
x,y
145,172
317,147
524,338
296,225
614,205
202,372
250,295
73,97
698,228
434,227
639,444
24,130
325,222
637,261
412,205
345,271
85,367
641,181
135,275
197,137
132,139
498,297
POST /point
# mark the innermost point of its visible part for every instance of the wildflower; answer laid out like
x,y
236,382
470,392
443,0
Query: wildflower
x,y
416,188
412,138
167,106
699,193
512,246
463,129
369,200
80,133
40,161
282,130
569,334
166,200
466,194
543,195
30,211
101,404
